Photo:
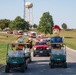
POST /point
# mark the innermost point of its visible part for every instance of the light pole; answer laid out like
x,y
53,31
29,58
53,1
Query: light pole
x,y
24,10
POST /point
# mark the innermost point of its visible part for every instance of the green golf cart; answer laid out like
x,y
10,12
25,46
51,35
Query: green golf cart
x,y
15,59
58,55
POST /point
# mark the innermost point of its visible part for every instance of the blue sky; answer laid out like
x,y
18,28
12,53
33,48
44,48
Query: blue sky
x,y
62,11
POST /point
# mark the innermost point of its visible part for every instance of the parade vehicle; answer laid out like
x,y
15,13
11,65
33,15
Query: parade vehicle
x,y
41,36
15,57
46,39
26,47
58,55
41,49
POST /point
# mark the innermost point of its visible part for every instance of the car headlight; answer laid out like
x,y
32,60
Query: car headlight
x,y
34,48
47,48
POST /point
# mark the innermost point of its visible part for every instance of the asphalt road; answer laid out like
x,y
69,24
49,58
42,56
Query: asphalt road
x,y
40,66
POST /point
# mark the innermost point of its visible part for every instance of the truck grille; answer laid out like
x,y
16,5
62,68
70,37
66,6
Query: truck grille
x,y
41,48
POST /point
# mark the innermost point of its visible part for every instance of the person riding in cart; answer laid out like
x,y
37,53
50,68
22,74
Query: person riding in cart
x,y
20,40
30,42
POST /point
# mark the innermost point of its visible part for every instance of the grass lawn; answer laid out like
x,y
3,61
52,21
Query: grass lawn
x,y
69,38
3,53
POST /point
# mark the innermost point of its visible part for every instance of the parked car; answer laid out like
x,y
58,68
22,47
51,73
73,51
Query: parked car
x,y
32,34
18,32
15,32
9,32
41,49
25,34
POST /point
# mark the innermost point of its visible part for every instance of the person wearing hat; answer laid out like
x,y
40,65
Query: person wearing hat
x,y
30,39
30,42
19,40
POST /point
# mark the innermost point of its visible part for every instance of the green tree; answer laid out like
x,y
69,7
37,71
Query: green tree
x,y
30,26
2,26
46,23
12,25
64,26
19,24
27,25
4,23
34,26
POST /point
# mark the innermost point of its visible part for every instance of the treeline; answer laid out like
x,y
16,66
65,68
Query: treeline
x,y
18,23
45,24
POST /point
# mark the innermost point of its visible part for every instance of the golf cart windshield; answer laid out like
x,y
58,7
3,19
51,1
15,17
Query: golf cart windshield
x,y
13,53
58,48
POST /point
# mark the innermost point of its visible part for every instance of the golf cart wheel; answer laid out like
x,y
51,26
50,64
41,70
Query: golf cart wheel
x,y
26,66
52,64
34,54
48,54
7,68
65,65
29,60
23,68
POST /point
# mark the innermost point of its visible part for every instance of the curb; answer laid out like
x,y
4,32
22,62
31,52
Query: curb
x,y
2,66
70,49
